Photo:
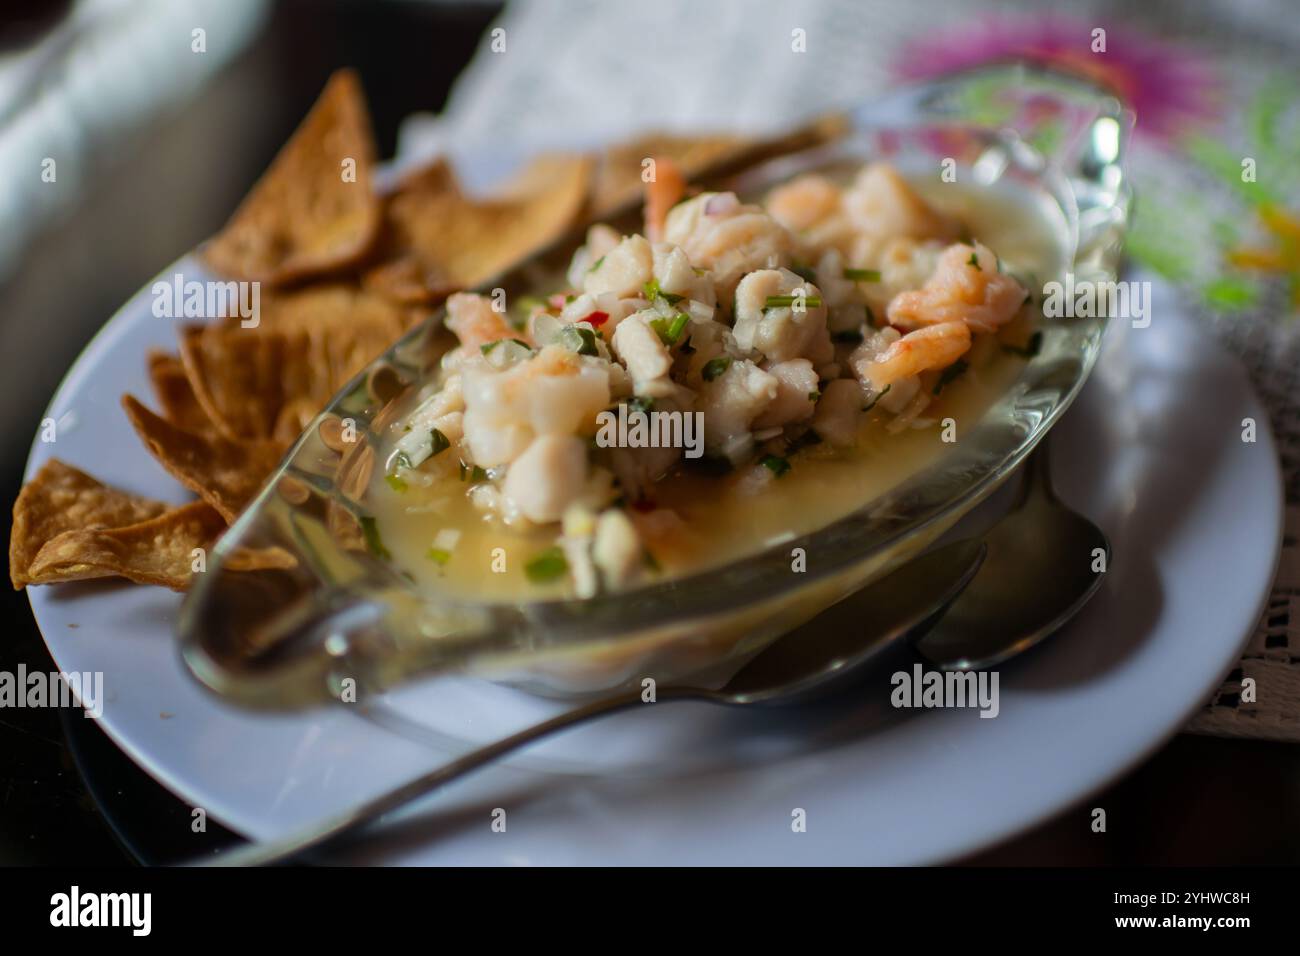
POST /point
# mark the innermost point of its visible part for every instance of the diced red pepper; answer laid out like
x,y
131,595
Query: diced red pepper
x,y
597,319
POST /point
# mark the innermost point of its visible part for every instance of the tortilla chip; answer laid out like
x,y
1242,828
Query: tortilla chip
x,y
441,240
333,306
61,498
172,388
303,218
224,473
269,382
158,551
243,380
404,279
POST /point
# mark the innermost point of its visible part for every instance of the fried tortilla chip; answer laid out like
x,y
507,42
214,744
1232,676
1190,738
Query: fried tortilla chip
x,y
331,306
224,473
158,551
172,388
61,498
314,211
441,240
269,382
243,380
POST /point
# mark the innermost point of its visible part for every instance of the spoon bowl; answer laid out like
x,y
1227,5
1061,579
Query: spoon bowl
x,y
1044,562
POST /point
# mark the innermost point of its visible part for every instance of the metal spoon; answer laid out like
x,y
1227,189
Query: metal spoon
x,y
800,665
1044,562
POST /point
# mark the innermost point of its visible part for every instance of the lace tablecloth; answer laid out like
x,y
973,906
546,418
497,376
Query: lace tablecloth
x,y
1211,83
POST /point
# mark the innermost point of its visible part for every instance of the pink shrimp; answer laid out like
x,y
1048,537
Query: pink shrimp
x,y
662,192
966,286
933,347
475,322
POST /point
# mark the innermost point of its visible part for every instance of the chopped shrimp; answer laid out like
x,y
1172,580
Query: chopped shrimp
x,y
662,192
804,202
639,347
880,201
966,286
475,322
836,418
933,347
555,392
548,477
728,239
600,240
904,265
730,403
796,394
624,270
781,332
676,276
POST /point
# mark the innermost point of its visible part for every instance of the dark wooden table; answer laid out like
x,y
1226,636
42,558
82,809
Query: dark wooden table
x,y
69,796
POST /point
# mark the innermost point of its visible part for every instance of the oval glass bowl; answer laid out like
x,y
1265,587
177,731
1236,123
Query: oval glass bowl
x,y
289,637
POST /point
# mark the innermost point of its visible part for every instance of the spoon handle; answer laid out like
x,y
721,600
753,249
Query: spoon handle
x,y
1037,482
277,851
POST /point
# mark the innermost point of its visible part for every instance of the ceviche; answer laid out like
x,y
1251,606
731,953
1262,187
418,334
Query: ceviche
x,y
733,376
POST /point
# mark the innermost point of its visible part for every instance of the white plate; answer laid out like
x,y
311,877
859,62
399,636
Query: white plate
x,y
1152,451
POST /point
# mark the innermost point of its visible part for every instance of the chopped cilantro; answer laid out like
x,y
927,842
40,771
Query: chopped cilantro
x,y
974,262
577,339
374,543
775,464
530,303
546,566
715,367
652,292
788,301
878,396
950,373
670,330
440,442
1029,349
487,347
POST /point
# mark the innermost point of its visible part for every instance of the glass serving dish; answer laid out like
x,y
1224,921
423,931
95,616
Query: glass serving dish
x,y
292,636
